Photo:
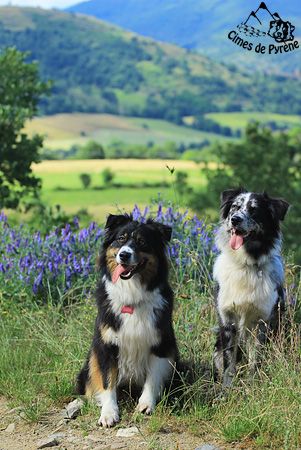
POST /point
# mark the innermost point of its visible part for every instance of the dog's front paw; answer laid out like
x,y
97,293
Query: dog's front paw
x,y
145,406
108,418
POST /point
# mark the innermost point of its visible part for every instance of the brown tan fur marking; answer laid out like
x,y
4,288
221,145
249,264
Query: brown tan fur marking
x,y
113,377
111,258
106,333
95,384
95,376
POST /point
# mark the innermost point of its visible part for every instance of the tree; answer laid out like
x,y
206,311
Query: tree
x,y
261,161
91,150
107,176
20,91
181,183
85,178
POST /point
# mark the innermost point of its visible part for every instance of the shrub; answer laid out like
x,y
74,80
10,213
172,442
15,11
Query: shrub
x,y
107,176
92,150
85,178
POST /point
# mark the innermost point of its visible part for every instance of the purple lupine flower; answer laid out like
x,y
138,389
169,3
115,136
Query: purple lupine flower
x,y
64,257
37,282
76,222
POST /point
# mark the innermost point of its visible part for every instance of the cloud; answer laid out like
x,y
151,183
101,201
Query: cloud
x,y
42,3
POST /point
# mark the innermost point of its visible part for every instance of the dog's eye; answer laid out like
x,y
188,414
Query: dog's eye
x,y
122,238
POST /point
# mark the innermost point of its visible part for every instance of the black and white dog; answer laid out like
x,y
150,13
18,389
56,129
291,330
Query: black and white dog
x,y
250,275
134,340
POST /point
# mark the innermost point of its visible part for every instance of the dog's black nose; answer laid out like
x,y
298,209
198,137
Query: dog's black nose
x,y
235,220
124,256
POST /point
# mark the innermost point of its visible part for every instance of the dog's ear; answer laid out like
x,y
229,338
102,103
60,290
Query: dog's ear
x,y
164,230
227,198
230,194
279,207
114,221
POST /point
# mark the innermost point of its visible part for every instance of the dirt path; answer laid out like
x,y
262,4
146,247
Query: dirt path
x,y
82,435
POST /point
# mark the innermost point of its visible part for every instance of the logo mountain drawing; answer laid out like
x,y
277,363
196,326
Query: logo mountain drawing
x,y
262,23
261,17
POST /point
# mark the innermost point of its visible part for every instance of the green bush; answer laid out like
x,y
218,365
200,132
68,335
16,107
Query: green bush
x,y
261,161
91,150
107,176
85,178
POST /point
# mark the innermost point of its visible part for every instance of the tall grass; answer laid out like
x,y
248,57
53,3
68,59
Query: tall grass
x,y
42,348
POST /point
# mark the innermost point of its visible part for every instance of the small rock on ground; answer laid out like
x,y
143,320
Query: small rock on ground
x,y
127,432
57,436
10,428
72,409
208,447
48,442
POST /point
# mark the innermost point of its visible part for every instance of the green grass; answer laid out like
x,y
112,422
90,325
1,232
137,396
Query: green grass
x,y
41,350
61,131
241,119
49,343
62,185
100,203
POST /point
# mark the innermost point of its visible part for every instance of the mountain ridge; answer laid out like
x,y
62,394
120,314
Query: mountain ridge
x,y
185,23
98,67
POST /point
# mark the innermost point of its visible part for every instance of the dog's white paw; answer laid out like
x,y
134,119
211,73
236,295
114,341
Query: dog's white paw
x,y
145,406
108,418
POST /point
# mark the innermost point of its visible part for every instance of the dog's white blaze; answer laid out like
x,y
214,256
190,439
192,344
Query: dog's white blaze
x,y
247,288
241,202
125,248
246,198
137,333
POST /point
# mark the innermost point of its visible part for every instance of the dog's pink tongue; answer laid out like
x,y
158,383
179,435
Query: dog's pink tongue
x,y
117,272
236,241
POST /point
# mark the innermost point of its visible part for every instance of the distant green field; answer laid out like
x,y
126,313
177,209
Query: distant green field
x,y
62,185
241,119
61,131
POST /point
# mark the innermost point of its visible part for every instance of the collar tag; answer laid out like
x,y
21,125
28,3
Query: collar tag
x,y
127,309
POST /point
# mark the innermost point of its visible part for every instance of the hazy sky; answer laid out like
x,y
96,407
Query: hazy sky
x,y
41,3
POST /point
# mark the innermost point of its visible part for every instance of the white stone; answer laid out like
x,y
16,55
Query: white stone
x,y
127,432
207,447
48,442
72,409
10,428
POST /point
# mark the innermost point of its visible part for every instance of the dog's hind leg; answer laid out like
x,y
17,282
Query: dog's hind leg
x,y
255,342
158,372
276,321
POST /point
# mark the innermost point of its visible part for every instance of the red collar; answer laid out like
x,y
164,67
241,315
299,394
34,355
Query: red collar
x,y
127,309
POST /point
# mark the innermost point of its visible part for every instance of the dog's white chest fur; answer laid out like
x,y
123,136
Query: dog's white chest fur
x,y
137,333
246,291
